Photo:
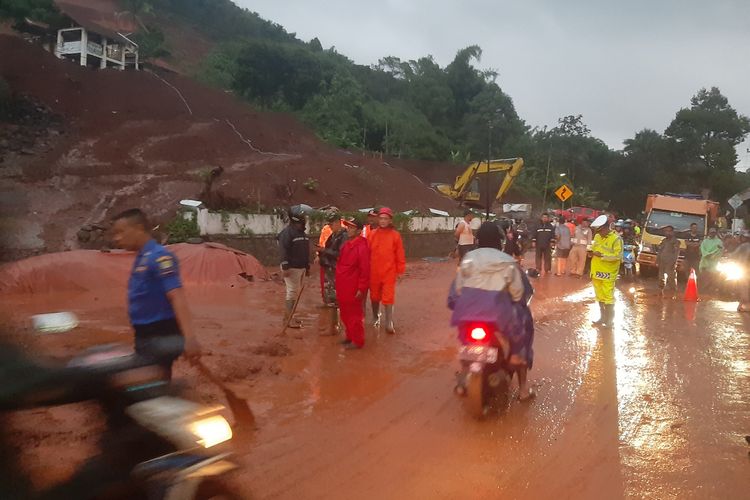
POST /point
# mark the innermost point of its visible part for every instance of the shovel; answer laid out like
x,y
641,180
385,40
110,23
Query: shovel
x,y
294,307
243,415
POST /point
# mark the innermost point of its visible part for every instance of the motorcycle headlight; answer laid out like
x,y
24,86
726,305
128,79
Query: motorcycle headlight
x,y
211,431
731,271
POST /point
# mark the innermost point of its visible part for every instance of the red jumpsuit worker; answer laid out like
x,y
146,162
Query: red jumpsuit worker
x,y
387,262
352,281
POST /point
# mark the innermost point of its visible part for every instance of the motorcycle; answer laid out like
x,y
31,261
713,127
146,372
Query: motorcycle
x,y
485,374
732,276
156,444
628,261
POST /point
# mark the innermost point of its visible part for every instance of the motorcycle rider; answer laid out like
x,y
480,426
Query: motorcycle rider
x,y
491,287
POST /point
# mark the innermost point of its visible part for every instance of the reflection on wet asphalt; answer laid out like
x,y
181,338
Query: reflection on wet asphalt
x,y
654,409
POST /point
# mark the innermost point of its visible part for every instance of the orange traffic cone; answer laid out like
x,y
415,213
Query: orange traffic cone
x,y
691,290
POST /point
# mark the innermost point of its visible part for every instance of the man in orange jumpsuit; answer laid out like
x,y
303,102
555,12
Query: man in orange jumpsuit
x,y
387,262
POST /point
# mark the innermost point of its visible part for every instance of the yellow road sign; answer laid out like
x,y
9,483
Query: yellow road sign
x,y
564,192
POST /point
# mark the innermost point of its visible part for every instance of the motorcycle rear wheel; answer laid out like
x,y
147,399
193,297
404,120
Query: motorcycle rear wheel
x,y
475,399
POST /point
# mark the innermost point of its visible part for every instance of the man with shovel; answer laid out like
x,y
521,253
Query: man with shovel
x,y
295,262
157,305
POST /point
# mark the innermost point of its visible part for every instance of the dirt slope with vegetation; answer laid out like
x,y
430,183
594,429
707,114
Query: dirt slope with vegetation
x,y
121,139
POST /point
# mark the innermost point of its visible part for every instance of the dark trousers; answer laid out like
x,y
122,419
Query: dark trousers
x,y
160,343
692,263
544,253
463,250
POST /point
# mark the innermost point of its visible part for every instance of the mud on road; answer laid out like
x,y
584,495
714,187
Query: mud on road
x,y
655,409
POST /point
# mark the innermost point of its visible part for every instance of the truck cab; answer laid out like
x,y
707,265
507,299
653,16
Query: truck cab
x,y
678,211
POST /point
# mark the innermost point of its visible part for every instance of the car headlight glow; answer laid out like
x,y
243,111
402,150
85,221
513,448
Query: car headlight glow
x,y
211,431
731,270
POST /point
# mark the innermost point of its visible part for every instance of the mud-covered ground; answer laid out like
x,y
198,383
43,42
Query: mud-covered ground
x,y
656,409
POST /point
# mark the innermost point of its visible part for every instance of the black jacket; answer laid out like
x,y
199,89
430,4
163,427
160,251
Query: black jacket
x,y
294,246
330,255
544,235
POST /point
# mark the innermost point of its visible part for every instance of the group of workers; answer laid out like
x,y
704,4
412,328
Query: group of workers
x,y
356,258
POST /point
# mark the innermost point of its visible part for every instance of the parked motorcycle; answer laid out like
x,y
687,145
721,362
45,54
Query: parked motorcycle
x,y
156,444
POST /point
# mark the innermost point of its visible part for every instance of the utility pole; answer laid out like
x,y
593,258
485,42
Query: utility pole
x,y
546,180
489,159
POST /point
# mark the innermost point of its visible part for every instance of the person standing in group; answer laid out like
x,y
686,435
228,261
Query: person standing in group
x,y
571,227
693,249
465,235
352,282
522,233
372,224
325,233
562,249
387,262
711,251
666,259
157,305
606,252
581,241
512,246
294,246
329,256
544,237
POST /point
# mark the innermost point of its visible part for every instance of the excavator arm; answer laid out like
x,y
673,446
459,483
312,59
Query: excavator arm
x,y
460,189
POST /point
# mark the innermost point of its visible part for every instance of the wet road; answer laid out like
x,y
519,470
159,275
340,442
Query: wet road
x,y
654,409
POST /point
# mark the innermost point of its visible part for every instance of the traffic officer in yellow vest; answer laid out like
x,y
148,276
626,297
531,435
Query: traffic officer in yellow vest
x,y
605,264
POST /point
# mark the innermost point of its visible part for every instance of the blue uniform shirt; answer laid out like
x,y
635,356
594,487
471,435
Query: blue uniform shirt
x,y
155,272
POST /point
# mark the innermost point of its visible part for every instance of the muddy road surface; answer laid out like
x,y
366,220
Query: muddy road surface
x,y
657,408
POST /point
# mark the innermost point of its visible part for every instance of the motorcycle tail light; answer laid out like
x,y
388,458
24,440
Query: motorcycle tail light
x,y
478,333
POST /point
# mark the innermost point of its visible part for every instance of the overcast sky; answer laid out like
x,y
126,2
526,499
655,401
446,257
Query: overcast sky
x,y
624,65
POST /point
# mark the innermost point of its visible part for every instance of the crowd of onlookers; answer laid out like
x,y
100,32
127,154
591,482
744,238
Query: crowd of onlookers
x,y
562,247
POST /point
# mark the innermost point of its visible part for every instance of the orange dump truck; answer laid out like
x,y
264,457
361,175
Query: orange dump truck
x,y
678,211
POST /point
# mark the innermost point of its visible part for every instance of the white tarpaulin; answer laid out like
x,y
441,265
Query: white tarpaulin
x,y
516,207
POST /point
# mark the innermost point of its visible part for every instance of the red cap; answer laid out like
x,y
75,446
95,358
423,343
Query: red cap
x,y
386,211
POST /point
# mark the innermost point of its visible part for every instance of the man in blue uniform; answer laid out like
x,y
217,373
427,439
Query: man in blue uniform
x,y
157,305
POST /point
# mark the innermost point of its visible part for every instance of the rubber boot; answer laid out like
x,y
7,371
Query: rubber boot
x,y
288,320
376,314
389,319
610,308
602,316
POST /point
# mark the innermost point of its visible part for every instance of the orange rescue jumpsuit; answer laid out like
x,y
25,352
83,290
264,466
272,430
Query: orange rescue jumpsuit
x,y
387,262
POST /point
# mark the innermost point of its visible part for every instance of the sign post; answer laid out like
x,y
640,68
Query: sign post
x,y
563,193
735,202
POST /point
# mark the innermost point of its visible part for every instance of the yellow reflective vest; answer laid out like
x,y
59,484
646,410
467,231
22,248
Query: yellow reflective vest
x,y
607,266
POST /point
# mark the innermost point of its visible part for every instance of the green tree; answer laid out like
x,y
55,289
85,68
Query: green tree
x,y
271,73
337,113
709,130
39,10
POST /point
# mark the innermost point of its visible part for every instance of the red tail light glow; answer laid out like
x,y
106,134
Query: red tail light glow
x,y
478,333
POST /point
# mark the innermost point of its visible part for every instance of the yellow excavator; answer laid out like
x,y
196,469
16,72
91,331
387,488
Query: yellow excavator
x,y
466,188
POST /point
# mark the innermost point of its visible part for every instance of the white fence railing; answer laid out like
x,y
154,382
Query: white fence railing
x,y
70,47
216,223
